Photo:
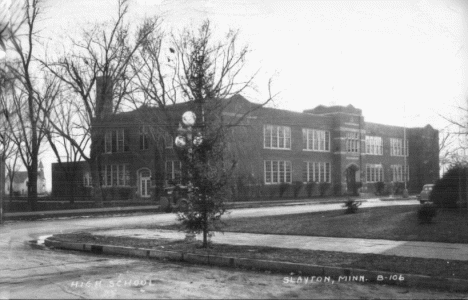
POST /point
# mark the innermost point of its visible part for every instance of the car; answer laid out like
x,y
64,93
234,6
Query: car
x,y
425,193
176,198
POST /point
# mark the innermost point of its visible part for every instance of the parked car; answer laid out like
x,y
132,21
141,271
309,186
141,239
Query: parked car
x,y
176,198
425,193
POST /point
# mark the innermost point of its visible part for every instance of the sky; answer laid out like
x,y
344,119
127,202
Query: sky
x,y
402,62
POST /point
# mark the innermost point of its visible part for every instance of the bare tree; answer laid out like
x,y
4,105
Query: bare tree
x,y
453,144
103,53
33,94
69,118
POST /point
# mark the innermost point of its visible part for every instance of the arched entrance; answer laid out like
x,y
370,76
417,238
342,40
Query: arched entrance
x,y
144,185
351,181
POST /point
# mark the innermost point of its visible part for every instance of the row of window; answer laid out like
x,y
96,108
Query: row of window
x,y
117,140
119,174
279,137
375,173
275,137
278,171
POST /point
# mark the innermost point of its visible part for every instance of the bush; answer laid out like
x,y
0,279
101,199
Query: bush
x,y
450,188
351,206
399,187
310,188
323,188
297,188
337,189
379,188
426,213
283,187
358,186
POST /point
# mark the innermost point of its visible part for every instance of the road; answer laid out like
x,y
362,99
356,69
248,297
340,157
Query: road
x,y
32,271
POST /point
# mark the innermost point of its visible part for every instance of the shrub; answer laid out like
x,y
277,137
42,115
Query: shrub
x,y
358,186
337,189
323,188
399,187
297,188
450,188
310,188
283,187
379,188
389,188
351,206
426,213
273,189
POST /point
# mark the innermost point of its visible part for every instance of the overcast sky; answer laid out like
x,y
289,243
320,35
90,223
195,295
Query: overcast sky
x,y
401,62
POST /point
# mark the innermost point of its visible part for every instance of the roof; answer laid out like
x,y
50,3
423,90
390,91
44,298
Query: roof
x,y
322,109
22,176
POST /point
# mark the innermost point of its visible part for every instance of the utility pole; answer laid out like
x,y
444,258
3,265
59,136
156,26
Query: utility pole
x,y
405,152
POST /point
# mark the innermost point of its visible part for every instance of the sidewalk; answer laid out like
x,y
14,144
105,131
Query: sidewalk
x,y
351,245
130,209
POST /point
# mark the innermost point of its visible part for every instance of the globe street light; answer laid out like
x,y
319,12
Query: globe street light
x,y
188,139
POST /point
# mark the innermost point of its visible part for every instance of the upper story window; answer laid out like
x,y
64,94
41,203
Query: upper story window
x,y
276,137
144,145
168,141
116,140
316,140
374,173
352,142
87,180
374,145
397,148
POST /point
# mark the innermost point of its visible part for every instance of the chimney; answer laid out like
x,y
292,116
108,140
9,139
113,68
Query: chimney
x,y
104,93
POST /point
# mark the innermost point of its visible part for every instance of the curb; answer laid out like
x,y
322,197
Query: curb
x,y
297,272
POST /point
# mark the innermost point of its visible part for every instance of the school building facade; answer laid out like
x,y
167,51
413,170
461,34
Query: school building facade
x,y
273,146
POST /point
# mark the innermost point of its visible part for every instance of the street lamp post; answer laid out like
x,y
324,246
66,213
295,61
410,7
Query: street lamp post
x,y
188,139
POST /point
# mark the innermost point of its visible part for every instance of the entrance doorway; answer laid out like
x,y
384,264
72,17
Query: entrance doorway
x,y
145,183
351,181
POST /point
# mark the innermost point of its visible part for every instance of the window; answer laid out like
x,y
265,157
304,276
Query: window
x,y
168,141
374,173
316,171
352,142
277,171
397,148
276,137
87,181
108,142
144,138
398,175
173,171
315,140
116,175
374,145
116,140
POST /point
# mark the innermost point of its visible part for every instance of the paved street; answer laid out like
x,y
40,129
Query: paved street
x,y
31,272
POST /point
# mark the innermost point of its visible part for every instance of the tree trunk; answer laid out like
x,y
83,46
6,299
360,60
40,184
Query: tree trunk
x,y
32,185
95,165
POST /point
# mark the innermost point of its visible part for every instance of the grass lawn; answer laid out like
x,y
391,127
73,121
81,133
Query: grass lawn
x,y
390,223
373,262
